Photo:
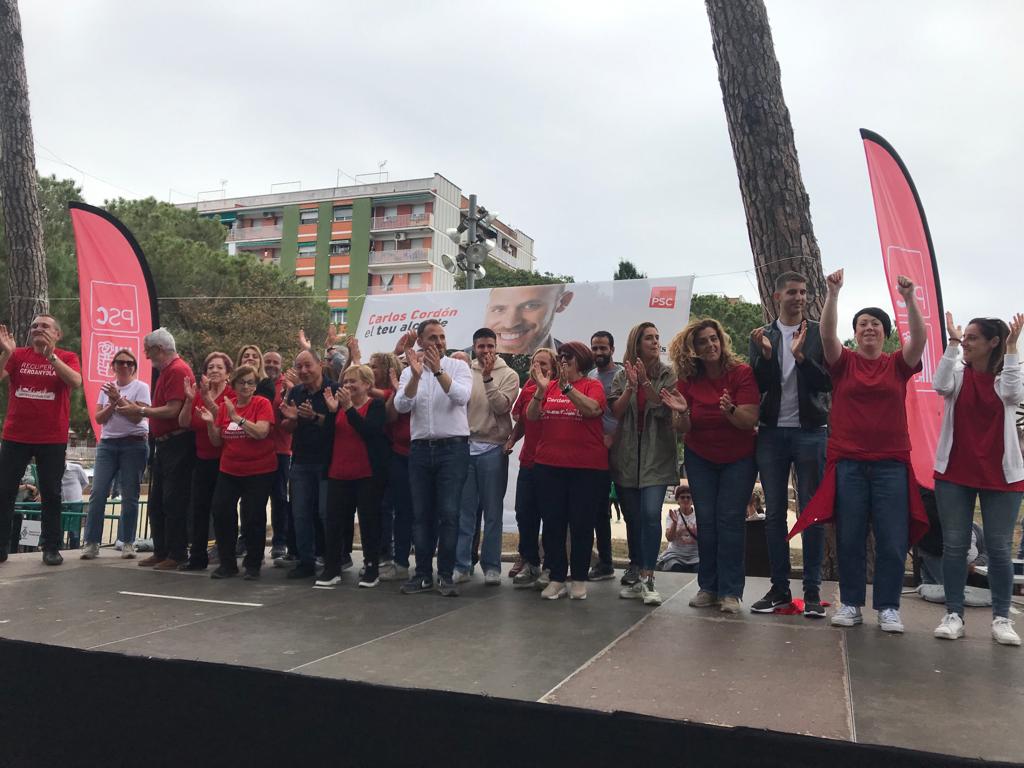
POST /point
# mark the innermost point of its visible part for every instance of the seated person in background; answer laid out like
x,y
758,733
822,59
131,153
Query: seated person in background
x,y
755,507
72,485
681,533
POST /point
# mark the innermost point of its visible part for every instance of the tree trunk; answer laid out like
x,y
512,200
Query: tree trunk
x,y
776,203
23,227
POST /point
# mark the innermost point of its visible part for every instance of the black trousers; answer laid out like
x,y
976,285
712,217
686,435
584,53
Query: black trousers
x,y
344,498
603,531
570,497
204,480
279,504
169,495
253,492
14,458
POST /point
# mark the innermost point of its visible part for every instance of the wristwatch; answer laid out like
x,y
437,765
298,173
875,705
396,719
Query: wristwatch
x,y
439,373
241,422
142,411
567,389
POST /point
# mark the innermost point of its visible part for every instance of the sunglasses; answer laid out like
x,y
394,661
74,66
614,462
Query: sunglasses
x,y
566,358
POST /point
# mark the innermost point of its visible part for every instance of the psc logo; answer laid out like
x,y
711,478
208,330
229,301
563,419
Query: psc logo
x,y
663,297
114,307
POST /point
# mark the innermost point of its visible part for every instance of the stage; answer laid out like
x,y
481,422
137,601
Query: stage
x,y
783,673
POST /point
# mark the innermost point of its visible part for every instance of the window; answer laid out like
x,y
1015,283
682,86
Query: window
x,y
389,245
390,211
307,250
312,216
418,242
339,282
415,279
339,316
343,213
419,209
341,247
306,281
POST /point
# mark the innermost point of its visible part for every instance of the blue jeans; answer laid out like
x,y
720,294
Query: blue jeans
x,y
875,490
486,480
778,449
721,493
309,503
114,456
437,472
999,518
642,510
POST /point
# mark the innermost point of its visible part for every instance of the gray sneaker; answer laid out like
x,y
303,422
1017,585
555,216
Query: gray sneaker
x,y
128,550
704,599
543,580
446,586
632,591
631,576
90,551
492,578
527,577
461,577
648,593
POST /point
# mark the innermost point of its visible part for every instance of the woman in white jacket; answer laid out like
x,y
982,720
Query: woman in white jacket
x,y
978,455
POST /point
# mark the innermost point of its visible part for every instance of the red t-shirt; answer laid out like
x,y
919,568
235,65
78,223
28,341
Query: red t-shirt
x,y
241,455
566,438
38,400
711,436
531,429
399,431
204,448
282,440
976,458
869,406
349,460
170,385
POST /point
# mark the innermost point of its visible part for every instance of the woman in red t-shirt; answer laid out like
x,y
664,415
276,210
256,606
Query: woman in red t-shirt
x,y
356,475
528,514
979,455
715,406
211,392
571,464
868,474
248,465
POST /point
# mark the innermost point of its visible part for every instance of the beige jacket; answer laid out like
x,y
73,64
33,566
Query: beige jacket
x,y
490,404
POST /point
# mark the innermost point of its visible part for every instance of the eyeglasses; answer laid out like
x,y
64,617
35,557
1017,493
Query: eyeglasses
x,y
124,363
566,358
246,383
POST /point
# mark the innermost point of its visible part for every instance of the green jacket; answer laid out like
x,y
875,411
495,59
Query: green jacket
x,y
642,459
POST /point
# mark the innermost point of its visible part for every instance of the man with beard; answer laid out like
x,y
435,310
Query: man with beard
x,y
602,346
521,316
40,379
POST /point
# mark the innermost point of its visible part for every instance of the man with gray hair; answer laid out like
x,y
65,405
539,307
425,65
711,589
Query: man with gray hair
x,y
174,454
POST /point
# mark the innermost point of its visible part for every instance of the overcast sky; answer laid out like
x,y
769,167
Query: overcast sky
x,y
596,127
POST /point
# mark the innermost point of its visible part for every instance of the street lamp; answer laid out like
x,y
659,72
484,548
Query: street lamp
x,y
476,238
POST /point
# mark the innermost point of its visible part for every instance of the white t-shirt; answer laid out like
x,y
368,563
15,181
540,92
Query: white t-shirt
x,y
118,425
789,407
684,548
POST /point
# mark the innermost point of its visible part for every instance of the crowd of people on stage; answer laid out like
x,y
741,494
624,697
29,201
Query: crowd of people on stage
x,y
417,444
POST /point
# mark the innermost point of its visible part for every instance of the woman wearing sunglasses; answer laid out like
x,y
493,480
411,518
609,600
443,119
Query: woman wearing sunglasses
x,y
571,464
122,451
248,465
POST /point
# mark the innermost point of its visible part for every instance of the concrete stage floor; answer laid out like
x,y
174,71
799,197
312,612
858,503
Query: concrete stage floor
x,y
784,673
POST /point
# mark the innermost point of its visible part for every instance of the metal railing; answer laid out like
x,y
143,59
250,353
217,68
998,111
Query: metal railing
x,y
242,234
406,256
402,221
72,519
378,290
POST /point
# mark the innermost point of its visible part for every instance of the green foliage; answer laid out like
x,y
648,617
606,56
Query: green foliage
x,y
891,344
739,318
501,277
628,271
187,258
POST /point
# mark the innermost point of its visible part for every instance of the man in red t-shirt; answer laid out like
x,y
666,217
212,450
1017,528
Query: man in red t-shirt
x,y
174,454
41,378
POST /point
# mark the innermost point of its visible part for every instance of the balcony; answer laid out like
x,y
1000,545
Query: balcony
x,y
403,221
246,234
407,256
383,290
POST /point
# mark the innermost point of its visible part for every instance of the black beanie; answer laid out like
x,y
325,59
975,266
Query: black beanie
x,y
879,314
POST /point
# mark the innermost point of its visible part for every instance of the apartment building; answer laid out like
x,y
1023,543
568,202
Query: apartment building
x,y
350,242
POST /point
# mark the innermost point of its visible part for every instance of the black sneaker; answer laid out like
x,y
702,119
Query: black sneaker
x,y
251,574
601,572
3,554
774,599
371,576
192,565
813,609
301,571
52,557
224,572
329,577
346,562
631,576
446,586
417,584
286,561
278,550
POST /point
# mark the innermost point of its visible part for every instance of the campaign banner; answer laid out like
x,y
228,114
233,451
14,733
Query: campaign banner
x,y
526,318
117,295
907,250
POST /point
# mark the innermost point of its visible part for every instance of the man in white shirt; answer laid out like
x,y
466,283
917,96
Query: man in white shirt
x,y
435,389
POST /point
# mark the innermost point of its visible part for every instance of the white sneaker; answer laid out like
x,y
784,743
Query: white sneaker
x,y
90,551
461,577
553,590
889,620
331,581
1002,631
632,591
951,627
578,590
846,616
648,593
492,578
128,550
